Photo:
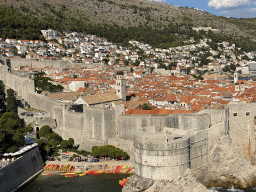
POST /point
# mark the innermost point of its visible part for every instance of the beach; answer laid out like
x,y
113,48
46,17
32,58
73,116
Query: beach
x,y
84,165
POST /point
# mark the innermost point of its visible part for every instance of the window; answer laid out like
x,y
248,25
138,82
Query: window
x,y
247,113
234,114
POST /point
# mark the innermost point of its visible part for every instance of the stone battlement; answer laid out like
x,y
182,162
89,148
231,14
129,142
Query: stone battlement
x,y
168,154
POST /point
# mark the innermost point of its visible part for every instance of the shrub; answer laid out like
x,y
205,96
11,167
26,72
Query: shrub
x,y
55,154
110,151
45,131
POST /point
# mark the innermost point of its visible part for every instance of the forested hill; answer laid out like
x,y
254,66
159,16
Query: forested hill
x,y
159,24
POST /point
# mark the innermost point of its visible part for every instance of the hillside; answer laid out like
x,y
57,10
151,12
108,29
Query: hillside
x,y
137,16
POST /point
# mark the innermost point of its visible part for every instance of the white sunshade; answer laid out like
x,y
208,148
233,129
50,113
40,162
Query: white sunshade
x,y
17,153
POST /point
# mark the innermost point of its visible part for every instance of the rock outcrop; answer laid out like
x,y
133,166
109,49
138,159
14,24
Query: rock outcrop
x,y
187,183
226,168
136,184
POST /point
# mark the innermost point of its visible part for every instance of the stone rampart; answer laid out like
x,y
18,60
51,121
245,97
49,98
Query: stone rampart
x,y
129,124
160,156
199,153
33,63
218,116
125,145
36,119
242,127
22,86
15,63
17,172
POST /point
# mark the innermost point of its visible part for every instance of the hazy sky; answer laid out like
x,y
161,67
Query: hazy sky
x,y
227,8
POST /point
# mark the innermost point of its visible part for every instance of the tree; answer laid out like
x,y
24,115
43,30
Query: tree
x,y
2,96
145,106
108,150
64,144
11,101
11,121
11,132
70,142
54,136
28,128
45,131
136,63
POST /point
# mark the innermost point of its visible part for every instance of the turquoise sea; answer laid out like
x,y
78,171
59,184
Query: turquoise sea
x,y
89,183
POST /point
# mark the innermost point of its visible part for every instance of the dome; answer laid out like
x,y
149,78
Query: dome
x,y
120,73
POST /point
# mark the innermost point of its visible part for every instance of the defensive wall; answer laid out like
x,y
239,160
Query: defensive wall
x,y
242,128
35,63
161,155
106,125
17,172
129,124
36,119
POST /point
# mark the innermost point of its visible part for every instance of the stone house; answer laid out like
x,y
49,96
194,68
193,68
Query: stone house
x,y
98,99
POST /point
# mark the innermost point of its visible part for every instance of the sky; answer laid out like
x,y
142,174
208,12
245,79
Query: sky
x,y
226,8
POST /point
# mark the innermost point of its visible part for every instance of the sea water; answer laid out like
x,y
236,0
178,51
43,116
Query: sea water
x,y
232,189
89,183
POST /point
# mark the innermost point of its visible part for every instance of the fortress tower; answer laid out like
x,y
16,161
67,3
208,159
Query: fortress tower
x,y
120,85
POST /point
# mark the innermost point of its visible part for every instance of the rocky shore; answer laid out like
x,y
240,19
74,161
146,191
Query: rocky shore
x,y
187,183
226,168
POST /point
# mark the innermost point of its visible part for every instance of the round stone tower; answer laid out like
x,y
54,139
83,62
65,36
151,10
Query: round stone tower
x,y
160,155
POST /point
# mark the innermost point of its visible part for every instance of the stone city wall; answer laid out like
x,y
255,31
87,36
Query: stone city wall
x,y
218,116
129,124
242,127
33,63
36,119
22,86
160,156
17,172
125,145
198,154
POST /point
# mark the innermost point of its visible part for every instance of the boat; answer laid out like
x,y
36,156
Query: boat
x,y
123,182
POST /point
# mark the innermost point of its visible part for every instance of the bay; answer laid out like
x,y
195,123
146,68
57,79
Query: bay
x,y
91,183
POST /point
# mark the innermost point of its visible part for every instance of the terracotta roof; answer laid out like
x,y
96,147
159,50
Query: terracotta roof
x,y
100,98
